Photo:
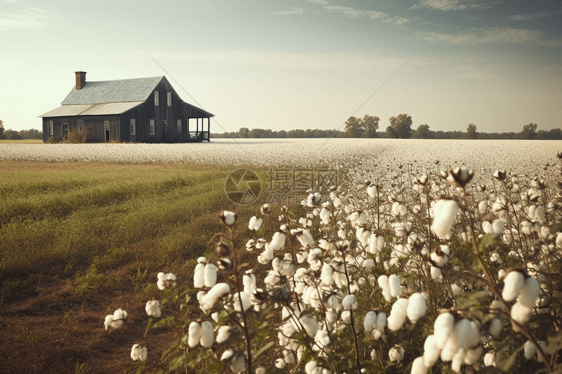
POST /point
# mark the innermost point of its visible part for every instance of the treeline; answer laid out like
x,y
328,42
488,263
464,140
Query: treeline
x,y
18,135
400,127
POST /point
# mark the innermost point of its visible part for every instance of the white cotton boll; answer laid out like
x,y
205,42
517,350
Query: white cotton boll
x,y
457,290
416,307
458,360
223,334
277,241
209,300
394,284
496,326
207,337
310,367
402,209
529,292
431,351
327,275
559,240
153,308
109,321
310,324
490,359
322,338
249,281
370,321
473,336
544,348
138,353
346,317
418,366
396,353
397,314
200,295
436,274
194,334
349,301
381,321
443,329
289,357
513,283
473,355
396,208
545,232
521,314
161,284
507,237
497,226
246,303
501,274
239,363
368,264
529,349
252,223
210,275
280,363
487,227
385,285
444,217
199,276
483,207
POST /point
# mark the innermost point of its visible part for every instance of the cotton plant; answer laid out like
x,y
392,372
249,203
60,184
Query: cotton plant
x,y
466,259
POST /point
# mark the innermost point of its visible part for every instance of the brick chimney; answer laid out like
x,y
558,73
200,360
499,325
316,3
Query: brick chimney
x,y
80,79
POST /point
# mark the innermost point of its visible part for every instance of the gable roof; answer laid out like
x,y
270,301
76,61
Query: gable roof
x,y
116,91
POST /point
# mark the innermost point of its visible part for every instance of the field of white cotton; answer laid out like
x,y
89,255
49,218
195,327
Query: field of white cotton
x,y
476,154
410,265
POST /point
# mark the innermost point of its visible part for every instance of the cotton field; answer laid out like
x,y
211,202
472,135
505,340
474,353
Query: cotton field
x,y
431,256
299,152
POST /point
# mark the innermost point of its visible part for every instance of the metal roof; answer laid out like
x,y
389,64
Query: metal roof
x,y
91,109
116,91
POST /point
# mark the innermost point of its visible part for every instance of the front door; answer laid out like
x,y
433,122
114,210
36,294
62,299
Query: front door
x,y
164,130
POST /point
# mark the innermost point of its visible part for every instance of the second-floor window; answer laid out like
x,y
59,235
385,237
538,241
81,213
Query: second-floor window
x,y
50,128
156,98
133,127
169,98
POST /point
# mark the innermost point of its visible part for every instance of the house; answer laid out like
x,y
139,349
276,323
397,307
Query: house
x,y
146,110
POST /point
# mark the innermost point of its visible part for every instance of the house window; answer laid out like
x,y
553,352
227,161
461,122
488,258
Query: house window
x,y
151,127
65,131
50,123
169,98
156,98
106,130
80,126
179,126
133,127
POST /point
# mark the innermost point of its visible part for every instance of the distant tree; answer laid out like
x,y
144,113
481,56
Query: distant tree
x,y
243,132
256,133
13,135
282,133
470,132
2,135
400,126
370,125
529,131
31,134
354,127
422,132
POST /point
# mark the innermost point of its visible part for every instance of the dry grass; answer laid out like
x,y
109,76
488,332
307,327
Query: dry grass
x,y
67,259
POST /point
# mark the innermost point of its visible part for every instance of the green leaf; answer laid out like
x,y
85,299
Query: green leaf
x,y
489,240
554,342
264,348
215,367
505,360
148,326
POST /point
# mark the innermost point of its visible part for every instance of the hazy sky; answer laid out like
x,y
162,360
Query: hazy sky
x,y
296,63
